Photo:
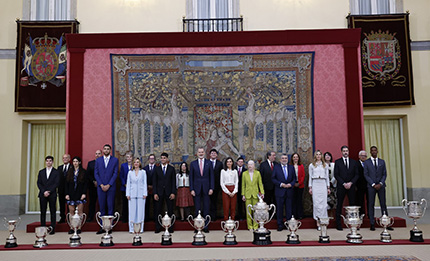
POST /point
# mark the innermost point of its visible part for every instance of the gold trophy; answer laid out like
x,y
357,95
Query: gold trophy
x,y
107,223
166,222
292,225
229,226
199,224
385,221
41,233
415,210
75,222
11,226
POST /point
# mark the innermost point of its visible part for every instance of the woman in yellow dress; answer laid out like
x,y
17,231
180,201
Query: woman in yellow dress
x,y
252,186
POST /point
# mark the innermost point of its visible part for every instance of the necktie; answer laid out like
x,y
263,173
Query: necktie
x,y
164,170
240,171
285,172
271,165
106,162
374,163
150,168
346,163
65,170
201,167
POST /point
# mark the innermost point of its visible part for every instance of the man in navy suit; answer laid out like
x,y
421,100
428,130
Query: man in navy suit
x,y
106,172
164,189
375,173
92,186
47,182
149,174
201,183
123,173
217,167
284,178
346,174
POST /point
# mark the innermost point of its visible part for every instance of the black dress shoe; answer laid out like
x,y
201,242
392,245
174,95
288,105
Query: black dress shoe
x,y
157,231
339,228
71,231
171,231
62,220
110,231
372,227
52,232
280,228
90,220
79,231
101,231
390,228
206,230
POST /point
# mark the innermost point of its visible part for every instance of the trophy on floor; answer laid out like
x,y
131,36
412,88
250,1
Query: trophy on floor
x,y
41,233
166,222
324,222
385,221
261,216
107,223
75,222
353,221
415,210
293,225
11,226
137,240
229,226
199,224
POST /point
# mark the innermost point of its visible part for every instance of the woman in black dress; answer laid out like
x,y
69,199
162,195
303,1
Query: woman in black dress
x,y
76,188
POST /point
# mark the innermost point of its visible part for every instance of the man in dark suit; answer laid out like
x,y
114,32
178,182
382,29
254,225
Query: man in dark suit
x,y
92,186
284,178
47,182
201,183
149,174
63,169
164,189
346,174
375,173
217,167
241,213
123,173
361,193
266,171
106,172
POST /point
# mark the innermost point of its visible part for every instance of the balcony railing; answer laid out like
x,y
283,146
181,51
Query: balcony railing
x,y
213,25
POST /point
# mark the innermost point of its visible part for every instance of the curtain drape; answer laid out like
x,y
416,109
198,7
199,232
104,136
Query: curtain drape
x,y
46,139
385,135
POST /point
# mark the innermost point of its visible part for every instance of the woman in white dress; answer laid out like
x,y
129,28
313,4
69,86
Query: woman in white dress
x,y
319,186
136,192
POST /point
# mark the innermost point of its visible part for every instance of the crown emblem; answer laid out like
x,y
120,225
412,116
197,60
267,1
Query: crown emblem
x,y
45,42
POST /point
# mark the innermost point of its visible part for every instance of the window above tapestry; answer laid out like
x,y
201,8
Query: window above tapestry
x,y
49,10
375,7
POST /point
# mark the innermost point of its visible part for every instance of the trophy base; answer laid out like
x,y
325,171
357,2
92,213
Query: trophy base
x,y
230,240
137,243
354,239
293,240
10,244
199,243
324,239
40,244
166,241
262,239
102,244
385,238
416,236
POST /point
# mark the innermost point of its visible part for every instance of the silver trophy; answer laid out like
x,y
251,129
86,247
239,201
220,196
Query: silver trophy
x,y
199,224
11,226
261,216
41,233
137,240
75,222
385,221
415,210
323,223
229,226
293,225
166,222
353,221
107,223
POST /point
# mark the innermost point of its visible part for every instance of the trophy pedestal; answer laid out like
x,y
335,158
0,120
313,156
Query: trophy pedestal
x,y
199,239
137,241
107,241
354,238
166,240
262,238
75,240
230,240
416,236
10,244
324,239
293,239
385,237
40,243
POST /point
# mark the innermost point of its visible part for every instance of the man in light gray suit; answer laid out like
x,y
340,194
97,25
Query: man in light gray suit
x,y
375,173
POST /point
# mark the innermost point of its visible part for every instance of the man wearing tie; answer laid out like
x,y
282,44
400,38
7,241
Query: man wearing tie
x,y
92,186
241,213
106,172
361,194
47,182
346,174
164,189
266,171
63,169
284,178
217,167
375,173
149,174
201,183
123,173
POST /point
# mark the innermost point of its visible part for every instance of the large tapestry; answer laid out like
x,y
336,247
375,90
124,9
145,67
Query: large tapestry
x,y
241,105
385,59
41,61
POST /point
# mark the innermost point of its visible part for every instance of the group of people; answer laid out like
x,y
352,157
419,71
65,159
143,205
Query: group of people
x,y
199,184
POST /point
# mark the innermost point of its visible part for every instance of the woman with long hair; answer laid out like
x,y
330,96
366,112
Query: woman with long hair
x,y
184,199
229,181
331,199
319,186
76,188
299,186
136,192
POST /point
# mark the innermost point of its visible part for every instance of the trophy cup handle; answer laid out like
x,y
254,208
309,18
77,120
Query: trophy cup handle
x,y
5,222
392,221
236,225
249,212
19,221
274,211
117,219
344,220
425,207
223,226
208,218
404,204
97,219
68,220
188,219
173,219
299,224
160,219
84,218
49,229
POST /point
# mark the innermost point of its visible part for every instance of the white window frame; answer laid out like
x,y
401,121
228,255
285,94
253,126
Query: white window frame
x,y
395,6
193,6
58,10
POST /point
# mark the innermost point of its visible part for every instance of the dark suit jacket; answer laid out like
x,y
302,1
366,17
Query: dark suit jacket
x,y
164,184
62,182
81,188
50,184
278,177
361,182
240,179
149,174
90,172
107,175
217,174
375,176
199,183
344,175
266,175
123,173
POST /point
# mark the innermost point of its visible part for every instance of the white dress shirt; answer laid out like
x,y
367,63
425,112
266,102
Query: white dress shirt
x,y
229,178
48,172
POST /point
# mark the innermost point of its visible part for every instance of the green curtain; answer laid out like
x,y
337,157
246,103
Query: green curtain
x,y
385,134
46,139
